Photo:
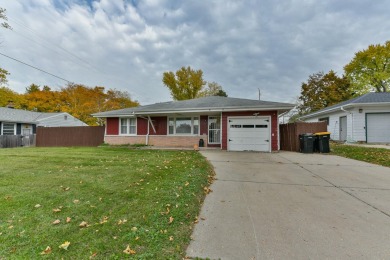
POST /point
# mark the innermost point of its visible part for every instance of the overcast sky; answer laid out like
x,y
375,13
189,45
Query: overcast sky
x,y
242,45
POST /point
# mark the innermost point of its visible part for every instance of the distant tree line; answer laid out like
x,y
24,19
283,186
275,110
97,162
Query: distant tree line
x,y
78,100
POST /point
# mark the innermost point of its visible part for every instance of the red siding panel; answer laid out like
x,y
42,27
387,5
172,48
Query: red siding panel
x,y
160,124
142,126
112,127
274,125
204,125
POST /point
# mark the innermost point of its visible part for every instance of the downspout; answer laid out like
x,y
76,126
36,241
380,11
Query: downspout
x,y
150,123
342,109
148,131
147,134
221,134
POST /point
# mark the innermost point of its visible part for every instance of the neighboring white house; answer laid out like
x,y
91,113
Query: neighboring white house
x,y
23,122
362,119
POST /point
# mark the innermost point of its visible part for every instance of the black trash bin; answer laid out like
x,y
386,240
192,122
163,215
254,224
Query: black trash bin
x,y
306,143
201,143
322,142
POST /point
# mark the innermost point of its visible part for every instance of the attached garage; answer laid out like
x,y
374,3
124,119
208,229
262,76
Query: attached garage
x,y
249,134
378,127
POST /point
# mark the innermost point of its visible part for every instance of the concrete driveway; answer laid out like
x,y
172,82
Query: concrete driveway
x,y
293,206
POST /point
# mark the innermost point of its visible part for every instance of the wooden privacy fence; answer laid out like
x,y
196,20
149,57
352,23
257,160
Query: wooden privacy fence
x,y
70,136
289,133
11,141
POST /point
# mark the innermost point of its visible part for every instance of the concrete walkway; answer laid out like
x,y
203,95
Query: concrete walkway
x,y
294,206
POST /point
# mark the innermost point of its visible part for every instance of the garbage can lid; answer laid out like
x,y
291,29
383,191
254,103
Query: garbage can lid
x,y
322,133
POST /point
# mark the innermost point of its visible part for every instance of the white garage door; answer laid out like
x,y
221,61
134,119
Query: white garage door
x,y
378,128
249,134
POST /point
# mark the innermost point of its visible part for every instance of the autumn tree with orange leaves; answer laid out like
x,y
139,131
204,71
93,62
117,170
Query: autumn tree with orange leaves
x,y
78,100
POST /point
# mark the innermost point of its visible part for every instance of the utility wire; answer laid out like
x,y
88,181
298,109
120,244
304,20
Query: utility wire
x,y
35,68
39,37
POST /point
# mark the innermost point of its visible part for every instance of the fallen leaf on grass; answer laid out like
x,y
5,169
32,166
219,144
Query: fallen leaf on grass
x,y
129,251
170,219
76,201
120,222
93,255
186,184
134,229
84,224
165,213
46,251
68,219
37,206
65,245
171,238
207,190
56,210
104,220
57,221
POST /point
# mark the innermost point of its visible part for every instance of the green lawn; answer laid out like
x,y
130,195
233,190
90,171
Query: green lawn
x,y
145,199
379,156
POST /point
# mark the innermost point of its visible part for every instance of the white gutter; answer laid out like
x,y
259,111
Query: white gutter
x,y
318,113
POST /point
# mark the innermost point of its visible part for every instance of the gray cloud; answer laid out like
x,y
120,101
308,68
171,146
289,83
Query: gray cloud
x,y
242,45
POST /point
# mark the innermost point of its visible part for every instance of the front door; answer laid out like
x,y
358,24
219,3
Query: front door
x,y
343,128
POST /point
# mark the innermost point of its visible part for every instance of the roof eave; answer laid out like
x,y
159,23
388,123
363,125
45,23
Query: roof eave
x,y
315,114
318,113
196,110
19,121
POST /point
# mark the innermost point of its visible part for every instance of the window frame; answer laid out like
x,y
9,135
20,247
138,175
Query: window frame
x,y
193,118
8,123
128,126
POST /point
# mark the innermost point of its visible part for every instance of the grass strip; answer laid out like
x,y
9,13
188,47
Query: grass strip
x,y
102,200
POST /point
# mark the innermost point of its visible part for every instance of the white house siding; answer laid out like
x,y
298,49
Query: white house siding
x,y
60,120
358,124
334,123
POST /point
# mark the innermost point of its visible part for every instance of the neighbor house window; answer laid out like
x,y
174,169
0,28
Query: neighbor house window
x,y
128,126
214,130
324,119
8,129
183,125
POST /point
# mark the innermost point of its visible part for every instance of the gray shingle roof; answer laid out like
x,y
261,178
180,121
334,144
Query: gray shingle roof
x,y
18,115
369,98
23,116
214,103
